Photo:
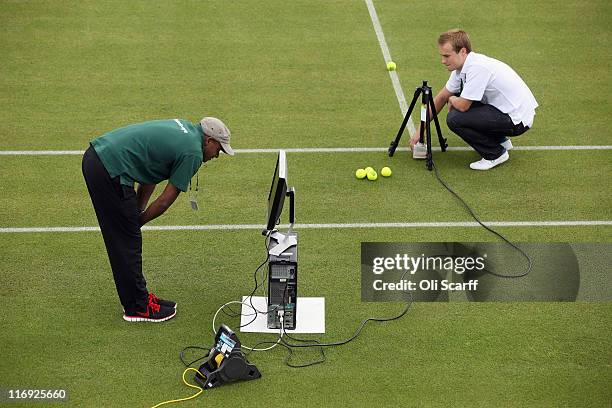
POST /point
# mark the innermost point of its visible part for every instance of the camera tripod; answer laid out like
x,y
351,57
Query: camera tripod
x,y
427,109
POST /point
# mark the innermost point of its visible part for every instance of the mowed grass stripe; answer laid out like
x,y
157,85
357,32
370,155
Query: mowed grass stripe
x,y
266,89
52,193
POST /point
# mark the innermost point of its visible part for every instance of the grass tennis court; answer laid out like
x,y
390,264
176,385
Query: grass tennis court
x,y
299,74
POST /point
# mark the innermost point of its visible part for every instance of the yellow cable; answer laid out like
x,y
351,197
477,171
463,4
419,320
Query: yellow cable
x,y
187,384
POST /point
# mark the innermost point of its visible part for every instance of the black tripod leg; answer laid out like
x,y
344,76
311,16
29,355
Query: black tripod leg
x,y
395,143
429,153
426,102
422,135
441,140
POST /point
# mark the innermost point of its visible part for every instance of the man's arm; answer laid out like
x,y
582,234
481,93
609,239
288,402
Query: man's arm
x,y
459,103
143,193
439,101
161,204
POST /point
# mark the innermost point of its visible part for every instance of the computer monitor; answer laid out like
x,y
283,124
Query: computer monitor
x,y
278,191
282,253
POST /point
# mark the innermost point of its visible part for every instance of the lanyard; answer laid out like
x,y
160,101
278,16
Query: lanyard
x,y
193,194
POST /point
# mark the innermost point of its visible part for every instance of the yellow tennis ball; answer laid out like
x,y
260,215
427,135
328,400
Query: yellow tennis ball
x,y
385,172
391,66
372,175
369,169
361,174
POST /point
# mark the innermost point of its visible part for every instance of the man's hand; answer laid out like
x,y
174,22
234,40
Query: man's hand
x,y
439,101
414,139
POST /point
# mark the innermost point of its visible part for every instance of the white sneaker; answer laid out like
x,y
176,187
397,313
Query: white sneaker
x,y
419,151
507,144
484,164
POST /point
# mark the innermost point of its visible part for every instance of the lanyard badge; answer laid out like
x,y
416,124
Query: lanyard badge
x,y
193,194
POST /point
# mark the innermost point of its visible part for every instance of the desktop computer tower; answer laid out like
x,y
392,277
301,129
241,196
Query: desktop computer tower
x,y
282,286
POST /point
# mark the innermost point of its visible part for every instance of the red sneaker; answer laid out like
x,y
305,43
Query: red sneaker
x,y
161,302
153,313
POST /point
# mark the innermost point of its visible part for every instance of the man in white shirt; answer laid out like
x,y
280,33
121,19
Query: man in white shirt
x,y
487,100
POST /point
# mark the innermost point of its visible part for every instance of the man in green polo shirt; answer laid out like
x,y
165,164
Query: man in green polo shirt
x,y
146,153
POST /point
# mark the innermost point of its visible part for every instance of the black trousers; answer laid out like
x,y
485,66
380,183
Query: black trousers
x,y
484,127
117,212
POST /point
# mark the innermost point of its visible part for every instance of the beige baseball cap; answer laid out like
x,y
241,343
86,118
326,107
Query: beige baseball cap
x,y
217,130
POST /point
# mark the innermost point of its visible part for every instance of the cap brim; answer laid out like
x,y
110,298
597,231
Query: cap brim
x,y
227,149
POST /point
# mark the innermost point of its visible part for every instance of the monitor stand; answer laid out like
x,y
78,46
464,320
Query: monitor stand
x,y
284,242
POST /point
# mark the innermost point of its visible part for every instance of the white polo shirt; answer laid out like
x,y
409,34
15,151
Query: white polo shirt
x,y
492,82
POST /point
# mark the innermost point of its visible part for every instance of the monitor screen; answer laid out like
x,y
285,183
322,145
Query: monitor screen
x,y
278,190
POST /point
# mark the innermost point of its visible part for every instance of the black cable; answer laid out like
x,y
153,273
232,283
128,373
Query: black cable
x,y
357,332
264,279
354,336
287,359
469,209
309,342
288,346
231,314
318,343
181,355
234,313
250,296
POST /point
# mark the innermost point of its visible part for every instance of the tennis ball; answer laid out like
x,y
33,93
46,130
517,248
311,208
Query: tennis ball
x,y
372,175
385,172
391,66
369,169
361,174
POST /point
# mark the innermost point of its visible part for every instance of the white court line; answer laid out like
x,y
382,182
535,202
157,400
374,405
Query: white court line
x,y
41,152
313,150
399,93
366,225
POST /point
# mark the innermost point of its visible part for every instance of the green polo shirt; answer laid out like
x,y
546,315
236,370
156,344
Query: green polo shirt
x,y
151,152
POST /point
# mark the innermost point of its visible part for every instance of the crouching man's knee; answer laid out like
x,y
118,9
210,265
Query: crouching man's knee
x,y
454,119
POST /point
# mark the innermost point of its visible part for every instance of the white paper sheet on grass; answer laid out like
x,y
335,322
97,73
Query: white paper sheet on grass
x,y
310,316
